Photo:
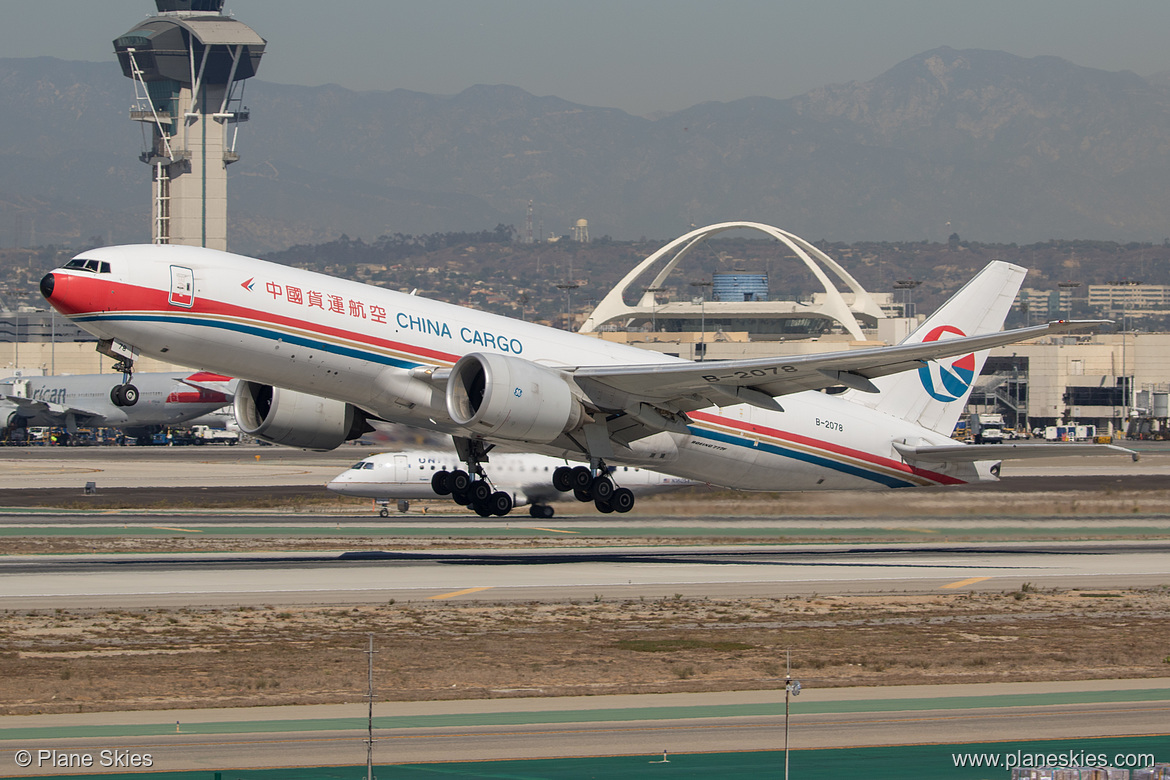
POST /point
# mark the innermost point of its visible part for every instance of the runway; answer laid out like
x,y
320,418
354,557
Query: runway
x,y
641,727
69,468
578,556
35,582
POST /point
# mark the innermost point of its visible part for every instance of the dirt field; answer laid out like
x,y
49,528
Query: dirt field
x,y
85,660
76,661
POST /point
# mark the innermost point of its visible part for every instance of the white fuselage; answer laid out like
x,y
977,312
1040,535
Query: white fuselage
x,y
526,477
368,346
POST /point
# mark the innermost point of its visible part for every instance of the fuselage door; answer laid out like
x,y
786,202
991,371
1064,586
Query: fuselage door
x,y
182,287
401,470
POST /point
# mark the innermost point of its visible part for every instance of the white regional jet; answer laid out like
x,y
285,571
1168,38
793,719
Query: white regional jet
x,y
417,474
90,401
320,357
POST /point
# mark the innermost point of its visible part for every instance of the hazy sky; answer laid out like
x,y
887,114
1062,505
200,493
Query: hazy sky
x,y
642,56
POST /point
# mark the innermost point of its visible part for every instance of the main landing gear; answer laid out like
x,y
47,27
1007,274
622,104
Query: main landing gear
x,y
597,486
472,488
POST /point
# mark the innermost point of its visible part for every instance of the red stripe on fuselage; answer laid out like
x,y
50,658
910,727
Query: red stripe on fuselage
x,y
826,446
98,296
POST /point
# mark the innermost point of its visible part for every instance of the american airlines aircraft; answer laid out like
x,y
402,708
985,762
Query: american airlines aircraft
x,y
86,401
321,357
418,474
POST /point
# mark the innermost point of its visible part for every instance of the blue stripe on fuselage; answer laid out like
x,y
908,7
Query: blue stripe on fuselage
x,y
254,330
807,457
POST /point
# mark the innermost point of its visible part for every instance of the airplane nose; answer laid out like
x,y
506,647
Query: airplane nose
x,y
48,282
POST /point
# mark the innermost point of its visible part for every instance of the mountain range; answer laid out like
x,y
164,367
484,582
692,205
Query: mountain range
x,y
985,144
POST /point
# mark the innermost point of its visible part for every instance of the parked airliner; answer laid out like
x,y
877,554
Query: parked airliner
x,y
414,475
86,401
320,357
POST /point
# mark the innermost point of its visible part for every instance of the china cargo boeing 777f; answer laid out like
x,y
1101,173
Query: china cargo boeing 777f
x,y
321,357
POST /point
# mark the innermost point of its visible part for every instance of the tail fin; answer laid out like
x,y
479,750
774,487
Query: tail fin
x,y
934,396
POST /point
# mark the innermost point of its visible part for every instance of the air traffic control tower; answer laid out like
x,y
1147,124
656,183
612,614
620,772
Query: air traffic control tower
x,y
188,64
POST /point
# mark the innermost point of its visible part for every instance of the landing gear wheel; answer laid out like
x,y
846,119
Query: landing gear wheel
x,y
459,481
603,506
385,512
124,395
563,478
540,510
460,497
480,492
584,495
500,503
441,483
483,510
582,478
602,488
622,501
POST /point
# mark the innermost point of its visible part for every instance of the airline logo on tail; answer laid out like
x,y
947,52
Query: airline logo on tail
x,y
947,383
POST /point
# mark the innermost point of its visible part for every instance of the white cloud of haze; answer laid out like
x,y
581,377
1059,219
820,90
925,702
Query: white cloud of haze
x,y
642,56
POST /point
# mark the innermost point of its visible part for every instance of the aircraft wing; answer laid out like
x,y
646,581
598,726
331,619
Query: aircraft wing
x,y
758,381
969,453
30,408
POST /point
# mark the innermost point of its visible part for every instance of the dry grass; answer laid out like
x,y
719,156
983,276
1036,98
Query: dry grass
x,y
83,660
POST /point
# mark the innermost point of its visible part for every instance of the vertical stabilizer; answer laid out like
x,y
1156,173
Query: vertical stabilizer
x,y
935,395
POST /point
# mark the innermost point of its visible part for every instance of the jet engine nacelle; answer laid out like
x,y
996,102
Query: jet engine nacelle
x,y
296,419
507,397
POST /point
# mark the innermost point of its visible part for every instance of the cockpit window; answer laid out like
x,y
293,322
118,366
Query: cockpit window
x,y
94,266
361,464
369,464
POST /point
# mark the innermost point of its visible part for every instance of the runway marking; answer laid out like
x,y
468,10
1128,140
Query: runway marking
x,y
968,581
463,592
173,528
911,530
459,731
553,530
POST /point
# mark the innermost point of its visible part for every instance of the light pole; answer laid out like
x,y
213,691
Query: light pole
x,y
1068,287
791,688
654,306
568,287
907,287
702,315
370,717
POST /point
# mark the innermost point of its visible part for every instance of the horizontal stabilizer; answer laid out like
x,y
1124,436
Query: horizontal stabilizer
x,y
212,383
970,453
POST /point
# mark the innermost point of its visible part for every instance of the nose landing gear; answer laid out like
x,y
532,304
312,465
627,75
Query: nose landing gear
x,y
125,394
